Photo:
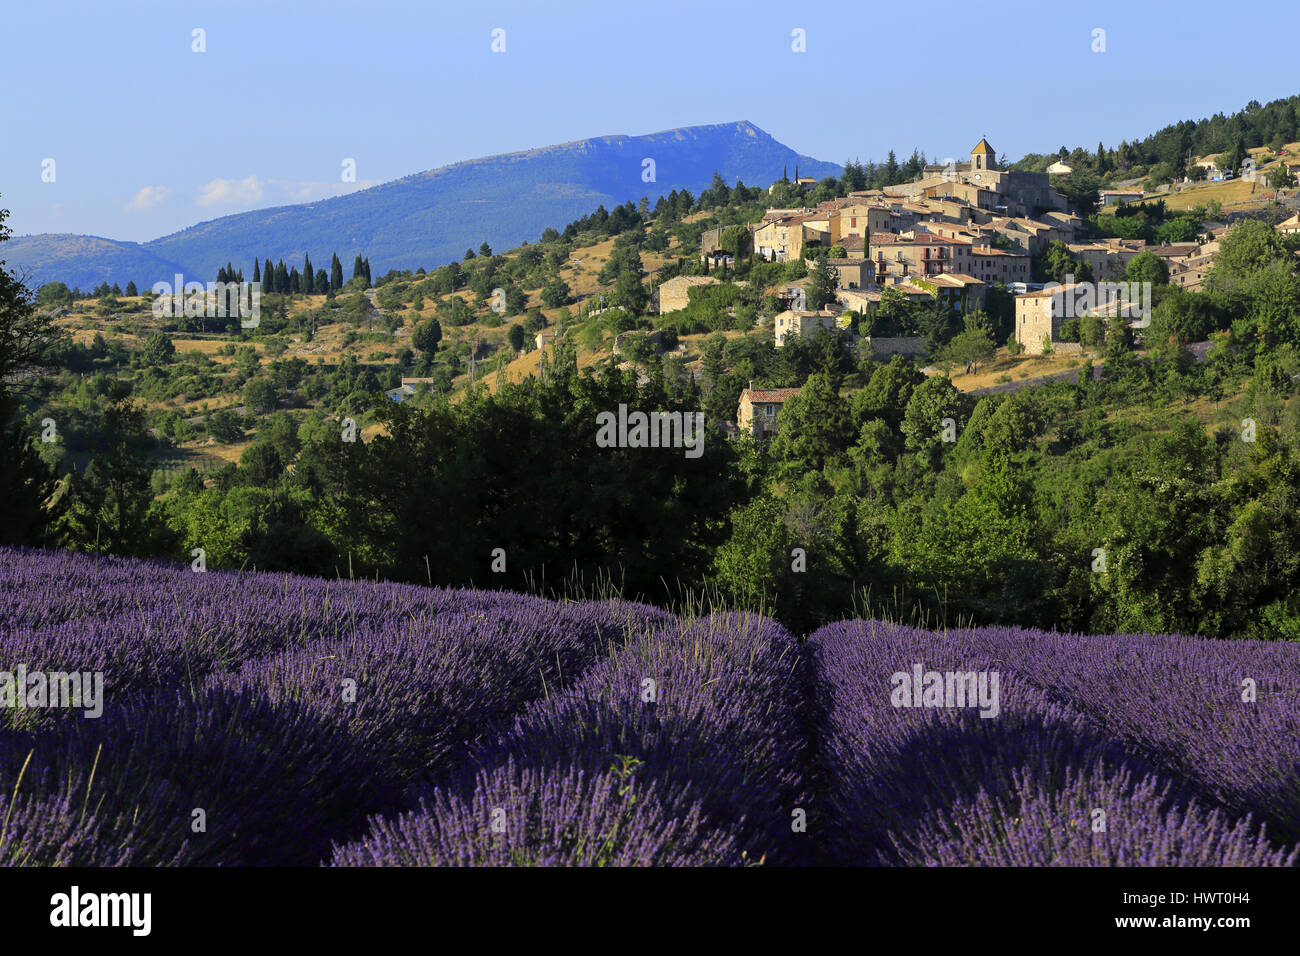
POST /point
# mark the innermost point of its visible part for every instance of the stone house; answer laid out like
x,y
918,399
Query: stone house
x,y
1290,226
1108,258
760,408
1040,315
675,293
962,292
1113,197
900,257
854,273
992,266
864,301
790,323
784,238
853,217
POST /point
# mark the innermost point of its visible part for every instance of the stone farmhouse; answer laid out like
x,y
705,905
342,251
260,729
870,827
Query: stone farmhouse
x,y
675,293
790,323
783,238
1039,317
760,409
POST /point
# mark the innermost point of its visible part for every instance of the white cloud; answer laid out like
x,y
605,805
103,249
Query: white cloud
x,y
253,192
149,197
232,192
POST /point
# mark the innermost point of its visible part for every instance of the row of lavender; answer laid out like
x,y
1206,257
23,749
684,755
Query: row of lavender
x,y
257,719
684,747
1113,750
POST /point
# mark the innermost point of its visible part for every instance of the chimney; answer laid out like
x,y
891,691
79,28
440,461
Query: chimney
x,y
751,384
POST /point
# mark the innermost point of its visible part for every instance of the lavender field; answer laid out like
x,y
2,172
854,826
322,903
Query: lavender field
x,y
260,719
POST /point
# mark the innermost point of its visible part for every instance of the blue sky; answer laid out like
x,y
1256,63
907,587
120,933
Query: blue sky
x,y
148,136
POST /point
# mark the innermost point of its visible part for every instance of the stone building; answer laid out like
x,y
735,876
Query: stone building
x,y
759,409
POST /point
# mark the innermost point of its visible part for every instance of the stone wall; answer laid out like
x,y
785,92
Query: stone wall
x,y
895,345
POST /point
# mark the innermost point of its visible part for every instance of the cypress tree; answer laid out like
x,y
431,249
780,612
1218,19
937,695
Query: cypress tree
x,y
336,274
308,275
257,273
357,267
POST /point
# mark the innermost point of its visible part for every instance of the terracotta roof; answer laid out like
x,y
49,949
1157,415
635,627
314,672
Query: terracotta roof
x,y
690,280
952,278
921,239
769,394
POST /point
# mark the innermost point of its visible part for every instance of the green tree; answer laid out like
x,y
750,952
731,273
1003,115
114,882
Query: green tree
x,y
969,349
1181,317
426,337
51,294
555,293
1147,267
261,465
261,395
516,336
887,392
822,283
814,426
934,417
630,293
225,427
516,300
1055,263
28,342
157,350
1081,190
109,501
1119,342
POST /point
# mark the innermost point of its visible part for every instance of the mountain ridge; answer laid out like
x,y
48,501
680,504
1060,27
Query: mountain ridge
x,y
424,218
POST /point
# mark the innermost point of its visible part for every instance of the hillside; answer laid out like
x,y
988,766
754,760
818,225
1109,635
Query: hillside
x,y
433,216
85,261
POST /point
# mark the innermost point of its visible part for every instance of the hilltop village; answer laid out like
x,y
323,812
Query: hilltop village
x,y
954,234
